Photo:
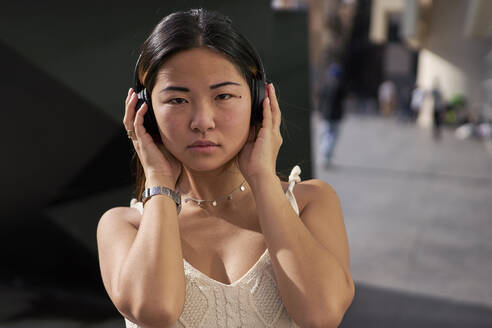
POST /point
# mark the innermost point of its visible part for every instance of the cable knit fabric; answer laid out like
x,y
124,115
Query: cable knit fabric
x,y
251,301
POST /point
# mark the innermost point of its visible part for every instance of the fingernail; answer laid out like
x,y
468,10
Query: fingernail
x,y
273,88
129,90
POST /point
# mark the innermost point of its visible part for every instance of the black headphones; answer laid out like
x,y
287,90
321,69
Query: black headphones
x,y
257,96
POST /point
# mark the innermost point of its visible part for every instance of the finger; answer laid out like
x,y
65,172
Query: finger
x,y
139,121
130,112
267,113
276,114
131,135
127,101
128,95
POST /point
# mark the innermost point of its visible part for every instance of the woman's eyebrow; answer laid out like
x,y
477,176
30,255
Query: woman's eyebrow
x,y
218,85
184,89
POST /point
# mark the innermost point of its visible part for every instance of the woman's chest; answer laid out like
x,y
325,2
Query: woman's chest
x,y
222,253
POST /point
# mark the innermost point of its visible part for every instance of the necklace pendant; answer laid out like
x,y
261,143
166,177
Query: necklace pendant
x,y
214,203
199,202
242,188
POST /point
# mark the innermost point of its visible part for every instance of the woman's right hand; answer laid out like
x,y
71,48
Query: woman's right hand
x,y
160,166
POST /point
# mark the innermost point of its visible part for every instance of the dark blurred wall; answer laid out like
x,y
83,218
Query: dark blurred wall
x,y
68,69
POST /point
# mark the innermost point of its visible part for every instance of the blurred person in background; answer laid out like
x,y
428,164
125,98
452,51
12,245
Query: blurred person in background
x,y
387,98
416,101
404,111
438,109
331,107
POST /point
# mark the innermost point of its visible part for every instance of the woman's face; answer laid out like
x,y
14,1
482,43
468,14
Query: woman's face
x,y
200,95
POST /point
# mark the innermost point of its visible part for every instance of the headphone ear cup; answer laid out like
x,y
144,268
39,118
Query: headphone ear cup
x,y
261,97
257,96
150,122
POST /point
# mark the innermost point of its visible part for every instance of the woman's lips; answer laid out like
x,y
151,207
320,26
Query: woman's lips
x,y
203,148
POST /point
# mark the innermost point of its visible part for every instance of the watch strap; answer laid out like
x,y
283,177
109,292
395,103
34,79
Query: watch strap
x,y
161,190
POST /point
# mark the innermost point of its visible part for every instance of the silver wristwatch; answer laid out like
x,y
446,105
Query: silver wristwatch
x,y
149,192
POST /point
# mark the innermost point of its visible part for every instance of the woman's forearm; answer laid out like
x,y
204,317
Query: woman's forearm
x,y
311,281
151,280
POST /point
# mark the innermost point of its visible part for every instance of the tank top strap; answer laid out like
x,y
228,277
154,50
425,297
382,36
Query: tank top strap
x,y
293,179
136,204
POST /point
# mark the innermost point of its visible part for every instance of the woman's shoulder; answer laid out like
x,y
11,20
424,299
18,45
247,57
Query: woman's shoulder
x,y
310,190
123,215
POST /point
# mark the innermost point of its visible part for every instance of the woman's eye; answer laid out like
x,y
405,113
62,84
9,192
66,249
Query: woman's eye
x,y
224,96
177,101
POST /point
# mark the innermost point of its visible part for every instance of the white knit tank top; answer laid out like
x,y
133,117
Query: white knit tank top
x,y
251,301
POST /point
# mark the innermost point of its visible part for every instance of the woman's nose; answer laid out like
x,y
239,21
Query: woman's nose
x,y
203,118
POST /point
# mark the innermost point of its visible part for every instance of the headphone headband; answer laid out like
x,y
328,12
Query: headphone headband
x,y
136,81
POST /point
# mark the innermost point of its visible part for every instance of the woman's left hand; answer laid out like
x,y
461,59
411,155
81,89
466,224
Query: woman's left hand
x,y
257,159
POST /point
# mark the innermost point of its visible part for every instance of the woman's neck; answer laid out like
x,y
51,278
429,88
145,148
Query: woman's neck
x,y
210,185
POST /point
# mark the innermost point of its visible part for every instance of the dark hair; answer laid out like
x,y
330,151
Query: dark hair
x,y
194,28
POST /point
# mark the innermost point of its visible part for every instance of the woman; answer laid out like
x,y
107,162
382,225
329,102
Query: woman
x,y
242,248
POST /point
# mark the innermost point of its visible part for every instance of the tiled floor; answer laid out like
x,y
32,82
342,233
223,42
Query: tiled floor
x,y
418,212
